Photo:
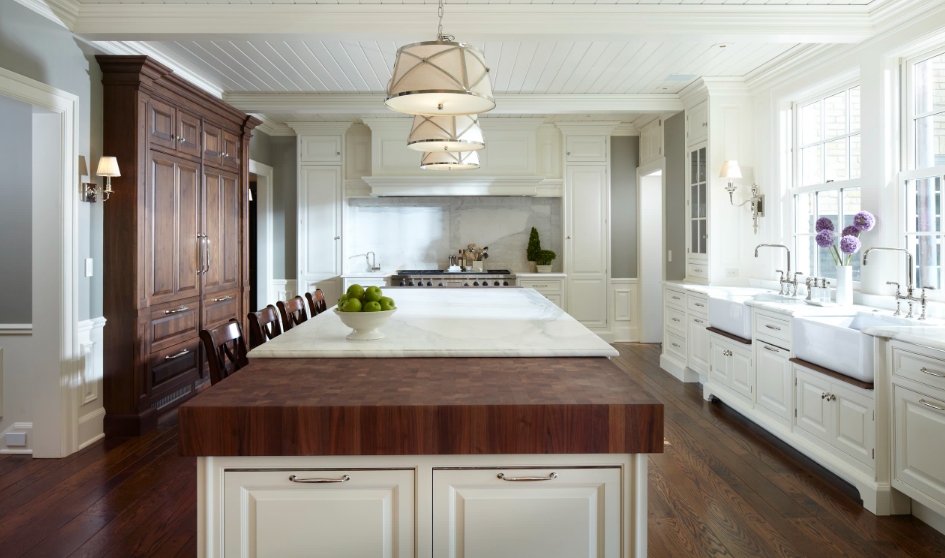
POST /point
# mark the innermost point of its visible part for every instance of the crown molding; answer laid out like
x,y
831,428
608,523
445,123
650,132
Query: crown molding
x,y
726,86
63,12
458,183
625,129
319,128
588,128
137,48
271,128
894,14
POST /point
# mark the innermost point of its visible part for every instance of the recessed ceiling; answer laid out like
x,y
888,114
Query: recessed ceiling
x,y
517,67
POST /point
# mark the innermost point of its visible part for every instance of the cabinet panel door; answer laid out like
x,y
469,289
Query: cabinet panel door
x,y
697,123
231,149
212,143
319,235
587,301
162,124
813,413
478,515
370,514
853,417
222,206
320,149
173,196
774,380
586,195
188,127
586,149
698,344
918,461
719,367
743,374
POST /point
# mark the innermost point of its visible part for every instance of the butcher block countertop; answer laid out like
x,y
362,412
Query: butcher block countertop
x,y
423,406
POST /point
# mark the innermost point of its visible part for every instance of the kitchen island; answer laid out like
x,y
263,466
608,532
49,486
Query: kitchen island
x,y
401,457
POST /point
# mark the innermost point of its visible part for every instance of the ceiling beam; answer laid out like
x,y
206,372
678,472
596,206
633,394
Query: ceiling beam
x,y
354,103
478,22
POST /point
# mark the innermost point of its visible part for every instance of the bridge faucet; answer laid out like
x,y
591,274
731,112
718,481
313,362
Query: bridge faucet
x,y
789,280
909,285
372,262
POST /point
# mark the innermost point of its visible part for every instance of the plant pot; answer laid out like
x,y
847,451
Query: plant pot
x,y
543,268
532,267
844,285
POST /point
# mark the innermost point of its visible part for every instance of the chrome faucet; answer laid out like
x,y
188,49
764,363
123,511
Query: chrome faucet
x,y
909,296
372,262
785,281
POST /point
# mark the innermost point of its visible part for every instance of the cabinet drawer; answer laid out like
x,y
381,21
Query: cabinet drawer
x,y
698,303
699,270
675,298
571,513
919,368
219,308
173,324
319,513
676,345
541,286
919,458
586,149
676,319
767,326
172,362
320,149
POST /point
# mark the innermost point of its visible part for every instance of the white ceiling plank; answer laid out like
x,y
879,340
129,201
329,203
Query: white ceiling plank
x,y
542,81
356,55
267,70
650,81
291,54
618,64
606,65
381,57
653,59
501,73
331,65
236,62
527,55
590,65
571,62
284,65
645,51
339,53
205,63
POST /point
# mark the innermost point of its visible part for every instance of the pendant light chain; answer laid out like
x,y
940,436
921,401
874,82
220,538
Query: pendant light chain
x,y
439,29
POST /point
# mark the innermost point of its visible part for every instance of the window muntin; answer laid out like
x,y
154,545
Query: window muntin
x,y
828,132
837,204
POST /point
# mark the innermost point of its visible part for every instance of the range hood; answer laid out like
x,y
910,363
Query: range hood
x,y
460,183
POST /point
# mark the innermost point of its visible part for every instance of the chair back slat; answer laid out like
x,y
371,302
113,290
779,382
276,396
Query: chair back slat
x,y
263,326
225,348
293,312
316,302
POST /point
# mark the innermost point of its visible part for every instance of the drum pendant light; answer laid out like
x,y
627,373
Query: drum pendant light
x,y
440,77
445,133
450,160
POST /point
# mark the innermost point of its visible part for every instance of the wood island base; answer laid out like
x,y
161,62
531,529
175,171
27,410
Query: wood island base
x,y
471,506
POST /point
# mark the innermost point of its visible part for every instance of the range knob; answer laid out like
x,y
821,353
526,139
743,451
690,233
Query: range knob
x,y
410,284
475,283
440,285
496,284
505,283
419,283
402,283
429,283
465,284
485,283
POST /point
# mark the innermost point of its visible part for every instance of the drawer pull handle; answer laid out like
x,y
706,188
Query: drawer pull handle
x,y
227,297
539,286
675,298
769,326
697,270
177,310
502,476
931,406
698,321
770,348
675,319
178,355
676,345
344,478
726,352
930,373
699,304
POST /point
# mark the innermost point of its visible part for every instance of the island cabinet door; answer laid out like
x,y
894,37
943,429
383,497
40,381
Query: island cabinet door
x,y
289,513
516,513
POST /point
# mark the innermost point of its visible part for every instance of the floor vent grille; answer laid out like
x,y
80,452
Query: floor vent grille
x,y
171,397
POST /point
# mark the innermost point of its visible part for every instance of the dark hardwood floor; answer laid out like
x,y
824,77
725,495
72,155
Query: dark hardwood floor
x,y
722,488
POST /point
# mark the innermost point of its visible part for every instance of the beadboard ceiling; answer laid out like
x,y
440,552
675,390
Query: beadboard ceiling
x,y
732,2
313,65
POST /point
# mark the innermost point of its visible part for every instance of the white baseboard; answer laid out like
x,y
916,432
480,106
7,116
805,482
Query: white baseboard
x,y
24,427
678,370
625,310
928,516
90,386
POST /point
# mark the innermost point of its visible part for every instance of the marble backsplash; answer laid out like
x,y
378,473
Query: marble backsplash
x,y
422,232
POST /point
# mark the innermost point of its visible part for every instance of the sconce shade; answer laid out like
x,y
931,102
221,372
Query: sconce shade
x,y
730,169
445,133
108,166
440,78
450,160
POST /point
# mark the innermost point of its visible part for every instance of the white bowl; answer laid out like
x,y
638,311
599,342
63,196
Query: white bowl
x,y
365,324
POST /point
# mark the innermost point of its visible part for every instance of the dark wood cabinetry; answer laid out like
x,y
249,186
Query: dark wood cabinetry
x,y
175,238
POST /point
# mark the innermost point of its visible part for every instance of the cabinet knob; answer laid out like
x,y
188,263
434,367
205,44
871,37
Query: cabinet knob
x,y
337,238
569,152
569,238
338,153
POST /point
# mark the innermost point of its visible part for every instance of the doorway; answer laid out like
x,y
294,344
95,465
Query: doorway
x,y
261,292
651,239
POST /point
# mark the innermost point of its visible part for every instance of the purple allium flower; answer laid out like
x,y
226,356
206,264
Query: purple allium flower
x,y
864,221
824,224
824,238
851,231
849,245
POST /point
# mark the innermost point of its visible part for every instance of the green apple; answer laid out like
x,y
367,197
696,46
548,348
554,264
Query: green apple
x,y
372,294
342,300
387,303
372,306
351,305
355,291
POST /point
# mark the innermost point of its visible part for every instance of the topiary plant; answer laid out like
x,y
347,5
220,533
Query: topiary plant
x,y
534,246
545,257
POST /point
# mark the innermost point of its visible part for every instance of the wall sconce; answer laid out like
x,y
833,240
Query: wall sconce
x,y
731,170
107,167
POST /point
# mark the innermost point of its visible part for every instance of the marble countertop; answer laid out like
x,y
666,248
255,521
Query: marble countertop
x,y
449,323
799,308
932,336
367,274
541,275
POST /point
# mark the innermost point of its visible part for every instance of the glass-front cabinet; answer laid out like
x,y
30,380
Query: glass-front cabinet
x,y
697,233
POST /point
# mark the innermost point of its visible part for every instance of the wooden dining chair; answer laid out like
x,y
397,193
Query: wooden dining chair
x,y
225,348
316,302
263,326
293,312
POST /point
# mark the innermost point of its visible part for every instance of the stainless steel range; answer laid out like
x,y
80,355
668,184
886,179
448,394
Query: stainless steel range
x,y
440,278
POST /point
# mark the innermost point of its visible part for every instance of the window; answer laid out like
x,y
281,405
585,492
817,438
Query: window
x,y
827,174
921,181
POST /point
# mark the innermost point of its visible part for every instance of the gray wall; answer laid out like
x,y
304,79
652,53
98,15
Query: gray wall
x,y
260,148
284,200
35,47
674,138
624,157
16,248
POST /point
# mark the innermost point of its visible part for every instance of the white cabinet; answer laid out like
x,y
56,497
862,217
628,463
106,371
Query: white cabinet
x,y
506,513
842,417
551,288
586,149
697,237
719,370
319,513
742,373
587,242
651,141
919,452
319,232
774,379
320,149
732,366
697,123
698,344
